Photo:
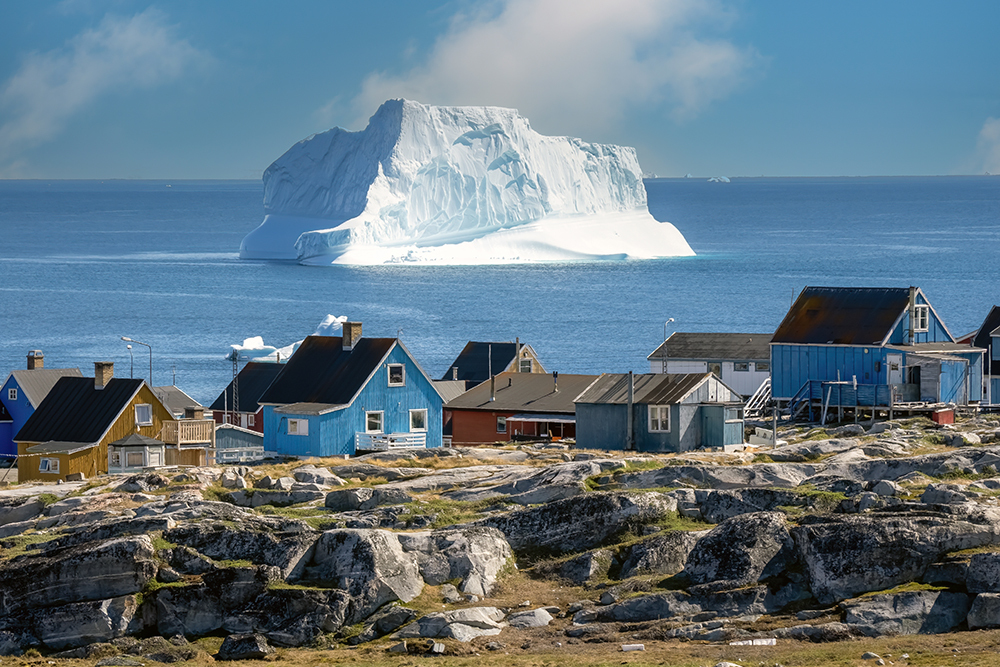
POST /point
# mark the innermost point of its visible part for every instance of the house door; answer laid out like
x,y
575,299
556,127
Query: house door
x,y
894,363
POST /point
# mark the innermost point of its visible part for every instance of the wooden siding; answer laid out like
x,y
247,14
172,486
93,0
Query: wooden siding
x,y
94,461
792,365
478,427
186,457
332,434
936,332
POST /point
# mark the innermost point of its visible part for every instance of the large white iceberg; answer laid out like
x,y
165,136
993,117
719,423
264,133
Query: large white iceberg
x,y
455,185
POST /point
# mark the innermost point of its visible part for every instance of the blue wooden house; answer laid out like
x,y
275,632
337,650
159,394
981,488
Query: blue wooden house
x,y
340,395
859,346
658,413
988,337
21,394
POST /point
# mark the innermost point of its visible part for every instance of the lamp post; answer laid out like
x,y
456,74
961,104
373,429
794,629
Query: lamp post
x,y
139,342
131,362
665,328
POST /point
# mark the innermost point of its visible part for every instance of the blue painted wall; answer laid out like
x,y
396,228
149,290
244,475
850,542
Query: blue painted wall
x,y
953,381
231,438
20,410
792,365
994,390
604,426
936,333
332,434
6,435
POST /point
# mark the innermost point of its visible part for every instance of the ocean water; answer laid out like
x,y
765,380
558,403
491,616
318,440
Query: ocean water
x,y
83,263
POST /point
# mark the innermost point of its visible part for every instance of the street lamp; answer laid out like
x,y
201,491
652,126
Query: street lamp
x,y
663,359
139,342
131,362
665,327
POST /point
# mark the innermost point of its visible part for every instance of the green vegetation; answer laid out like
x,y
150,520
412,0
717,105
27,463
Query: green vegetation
x,y
318,518
450,512
907,588
19,544
48,498
161,544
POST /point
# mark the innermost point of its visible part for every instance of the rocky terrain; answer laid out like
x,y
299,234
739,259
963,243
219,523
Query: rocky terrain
x,y
843,533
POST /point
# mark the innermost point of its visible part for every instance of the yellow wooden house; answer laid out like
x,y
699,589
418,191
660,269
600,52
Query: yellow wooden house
x,y
69,433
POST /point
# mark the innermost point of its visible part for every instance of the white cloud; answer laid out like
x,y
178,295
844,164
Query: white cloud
x,y
121,53
576,64
988,147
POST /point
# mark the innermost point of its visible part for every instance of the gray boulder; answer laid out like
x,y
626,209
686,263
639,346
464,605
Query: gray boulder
x,y
82,623
985,611
782,475
943,494
370,565
77,574
384,621
294,617
311,474
188,610
586,566
888,488
535,618
909,613
663,553
742,550
364,498
476,556
16,510
276,497
364,471
983,574
290,552
846,556
727,503
244,647
462,624
580,523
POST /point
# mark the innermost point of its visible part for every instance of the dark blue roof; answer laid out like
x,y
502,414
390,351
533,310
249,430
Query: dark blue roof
x,y
842,315
254,379
477,359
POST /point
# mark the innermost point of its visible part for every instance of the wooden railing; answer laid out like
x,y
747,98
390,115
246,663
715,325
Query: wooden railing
x,y
374,442
189,432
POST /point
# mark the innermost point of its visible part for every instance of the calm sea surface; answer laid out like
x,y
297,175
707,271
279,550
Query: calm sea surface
x,y
83,263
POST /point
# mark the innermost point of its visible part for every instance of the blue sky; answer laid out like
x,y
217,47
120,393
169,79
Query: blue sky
x,y
194,89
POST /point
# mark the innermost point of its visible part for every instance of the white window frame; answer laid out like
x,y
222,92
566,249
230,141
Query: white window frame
x,y
49,465
298,427
522,363
147,406
402,372
250,419
656,418
741,366
12,394
921,318
417,412
381,421
501,424
115,459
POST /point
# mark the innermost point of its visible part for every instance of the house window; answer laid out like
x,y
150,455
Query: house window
x,y
659,418
525,365
143,414
921,316
12,394
742,366
49,465
134,459
373,422
501,424
298,427
115,459
397,375
250,420
763,366
418,420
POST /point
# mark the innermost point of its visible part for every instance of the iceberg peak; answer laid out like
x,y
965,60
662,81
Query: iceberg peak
x,y
455,185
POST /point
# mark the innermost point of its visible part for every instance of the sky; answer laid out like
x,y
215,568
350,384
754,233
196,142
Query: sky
x,y
189,89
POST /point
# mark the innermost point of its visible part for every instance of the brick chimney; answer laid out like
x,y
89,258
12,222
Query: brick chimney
x,y
35,359
351,334
104,371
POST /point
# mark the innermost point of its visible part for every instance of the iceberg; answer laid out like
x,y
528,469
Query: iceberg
x,y
254,349
455,185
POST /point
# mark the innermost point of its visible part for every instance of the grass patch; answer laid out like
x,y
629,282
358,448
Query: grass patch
x,y
449,512
161,544
47,498
317,518
214,492
19,544
910,587
820,501
965,553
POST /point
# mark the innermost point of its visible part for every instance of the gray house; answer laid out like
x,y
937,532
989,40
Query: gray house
x,y
741,360
658,413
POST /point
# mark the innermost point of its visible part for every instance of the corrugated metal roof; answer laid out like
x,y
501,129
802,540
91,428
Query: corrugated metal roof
x,y
74,411
842,315
254,379
307,408
54,447
715,346
321,371
525,392
37,383
543,418
648,388
449,389
137,440
175,399
922,348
